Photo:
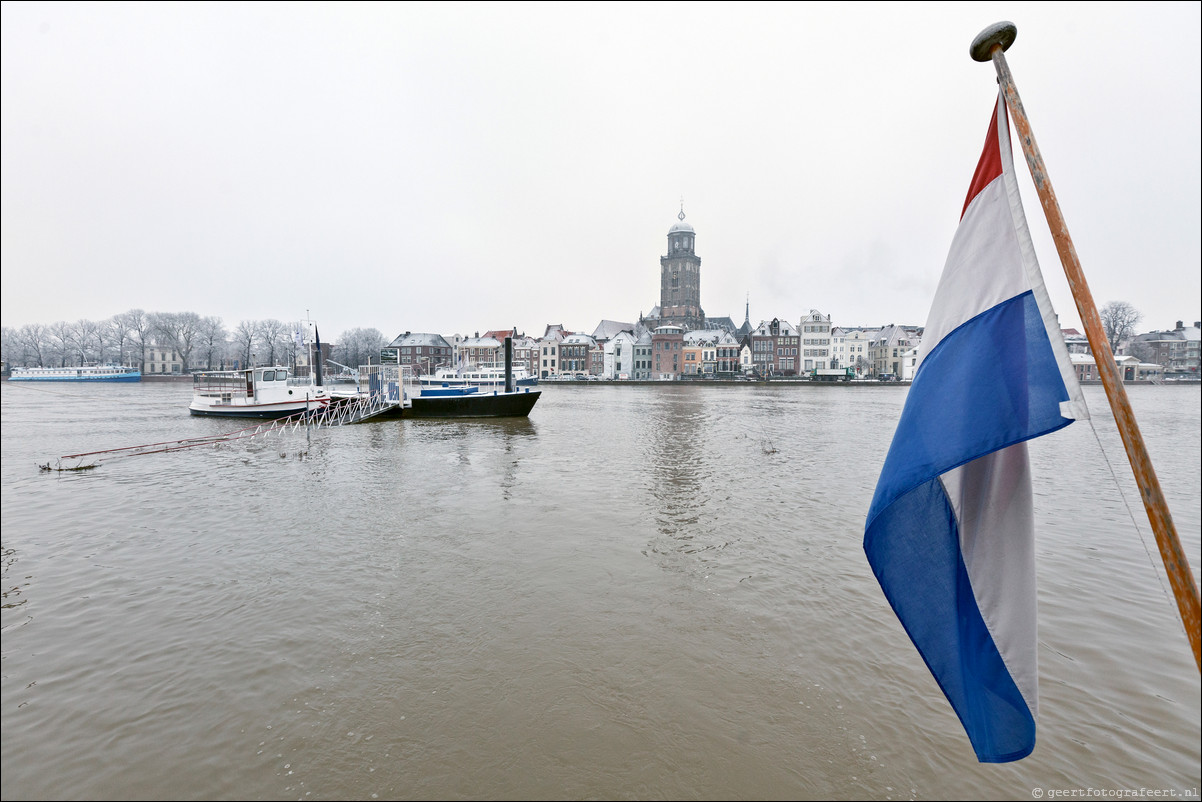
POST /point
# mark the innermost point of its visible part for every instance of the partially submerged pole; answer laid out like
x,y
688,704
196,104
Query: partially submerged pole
x,y
990,45
318,357
509,364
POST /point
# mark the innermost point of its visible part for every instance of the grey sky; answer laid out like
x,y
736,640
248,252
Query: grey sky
x,y
454,168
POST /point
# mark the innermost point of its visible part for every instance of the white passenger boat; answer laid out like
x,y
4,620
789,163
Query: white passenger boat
x,y
486,377
256,393
85,373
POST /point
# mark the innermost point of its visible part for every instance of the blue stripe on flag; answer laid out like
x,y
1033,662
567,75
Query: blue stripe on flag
x,y
990,383
914,550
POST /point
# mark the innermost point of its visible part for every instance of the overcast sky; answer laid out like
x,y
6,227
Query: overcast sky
x,y
455,168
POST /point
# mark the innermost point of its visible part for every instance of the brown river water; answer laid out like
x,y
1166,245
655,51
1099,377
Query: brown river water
x,y
640,592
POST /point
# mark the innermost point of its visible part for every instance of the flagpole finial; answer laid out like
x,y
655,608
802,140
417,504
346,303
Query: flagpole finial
x,y
999,33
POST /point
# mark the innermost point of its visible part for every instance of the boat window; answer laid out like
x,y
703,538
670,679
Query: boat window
x,y
269,375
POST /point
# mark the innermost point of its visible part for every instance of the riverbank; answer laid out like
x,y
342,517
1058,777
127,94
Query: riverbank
x,y
178,378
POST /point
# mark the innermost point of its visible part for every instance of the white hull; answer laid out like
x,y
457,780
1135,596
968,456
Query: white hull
x,y
258,393
252,410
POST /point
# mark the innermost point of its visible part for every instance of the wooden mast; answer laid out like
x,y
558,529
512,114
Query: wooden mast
x,y
990,45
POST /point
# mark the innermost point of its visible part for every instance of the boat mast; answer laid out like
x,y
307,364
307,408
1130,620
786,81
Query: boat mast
x,y
990,45
310,334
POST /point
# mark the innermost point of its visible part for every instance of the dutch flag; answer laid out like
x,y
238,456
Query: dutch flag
x,y
950,532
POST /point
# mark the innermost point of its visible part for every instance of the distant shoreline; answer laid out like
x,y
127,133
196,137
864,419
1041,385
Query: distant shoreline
x,y
804,382
171,377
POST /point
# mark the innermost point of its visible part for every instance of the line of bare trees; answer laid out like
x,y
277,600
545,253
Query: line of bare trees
x,y
199,343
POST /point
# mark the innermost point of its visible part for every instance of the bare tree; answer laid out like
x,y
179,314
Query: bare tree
x,y
212,339
34,338
117,335
138,327
244,341
16,348
73,338
360,347
89,341
272,338
181,332
60,342
1119,319
293,344
10,344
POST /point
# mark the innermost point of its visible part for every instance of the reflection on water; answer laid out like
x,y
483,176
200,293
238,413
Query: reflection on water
x,y
638,592
680,472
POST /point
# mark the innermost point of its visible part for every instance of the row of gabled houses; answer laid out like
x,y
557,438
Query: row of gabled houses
x,y
617,350
775,348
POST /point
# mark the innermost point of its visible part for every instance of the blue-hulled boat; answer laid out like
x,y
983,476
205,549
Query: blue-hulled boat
x,y
85,373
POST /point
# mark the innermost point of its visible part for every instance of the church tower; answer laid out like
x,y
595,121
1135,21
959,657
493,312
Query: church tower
x,y
680,279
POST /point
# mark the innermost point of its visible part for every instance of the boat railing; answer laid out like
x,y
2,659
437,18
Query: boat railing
x,y
396,383
219,383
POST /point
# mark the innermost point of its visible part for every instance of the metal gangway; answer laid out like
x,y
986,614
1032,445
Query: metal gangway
x,y
383,390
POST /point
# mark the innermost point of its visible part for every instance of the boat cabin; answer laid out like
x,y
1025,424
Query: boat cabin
x,y
226,384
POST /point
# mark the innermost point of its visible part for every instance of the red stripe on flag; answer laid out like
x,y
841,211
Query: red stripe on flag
x,y
990,165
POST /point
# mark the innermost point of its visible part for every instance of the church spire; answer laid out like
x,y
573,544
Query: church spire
x,y
680,278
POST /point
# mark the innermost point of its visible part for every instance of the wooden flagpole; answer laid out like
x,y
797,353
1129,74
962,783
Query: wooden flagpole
x,y
990,45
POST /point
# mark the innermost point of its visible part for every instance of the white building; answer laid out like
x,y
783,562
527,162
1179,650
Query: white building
x,y
887,349
161,360
642,355
619,355
850,347
909,365
816,346
1129,369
